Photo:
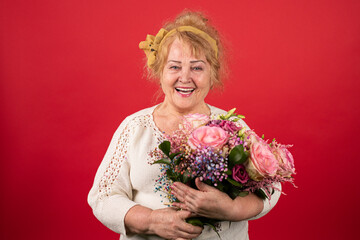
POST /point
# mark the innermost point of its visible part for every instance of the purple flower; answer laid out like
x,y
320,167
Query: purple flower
x,y
239,173
226,125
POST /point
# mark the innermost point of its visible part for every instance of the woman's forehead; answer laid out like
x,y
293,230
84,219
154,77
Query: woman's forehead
x,y
180,49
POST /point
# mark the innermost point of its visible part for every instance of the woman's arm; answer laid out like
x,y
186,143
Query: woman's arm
x,y
111,196
167,223
210,202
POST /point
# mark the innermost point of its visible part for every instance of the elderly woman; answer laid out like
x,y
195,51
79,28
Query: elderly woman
x,y
186,58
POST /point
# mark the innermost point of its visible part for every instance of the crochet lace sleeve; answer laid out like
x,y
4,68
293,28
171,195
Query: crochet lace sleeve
x,y
111,194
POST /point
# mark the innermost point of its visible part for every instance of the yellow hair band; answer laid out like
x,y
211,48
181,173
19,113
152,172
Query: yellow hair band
x,y
153,43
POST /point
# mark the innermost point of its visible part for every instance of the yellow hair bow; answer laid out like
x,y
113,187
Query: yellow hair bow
x,y
153,43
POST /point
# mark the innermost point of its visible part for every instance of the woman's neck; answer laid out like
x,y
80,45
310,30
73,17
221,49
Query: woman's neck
x,y
167,118
165,108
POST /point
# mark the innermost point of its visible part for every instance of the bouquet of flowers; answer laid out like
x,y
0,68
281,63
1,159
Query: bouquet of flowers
x,y
224,154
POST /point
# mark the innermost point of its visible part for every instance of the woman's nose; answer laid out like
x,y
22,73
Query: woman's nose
x,y
185,76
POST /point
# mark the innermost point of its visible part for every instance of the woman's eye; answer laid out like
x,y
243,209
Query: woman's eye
x,y
197,68
175,67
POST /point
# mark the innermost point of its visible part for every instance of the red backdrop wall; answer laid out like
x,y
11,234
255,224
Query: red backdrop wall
x,y
71,71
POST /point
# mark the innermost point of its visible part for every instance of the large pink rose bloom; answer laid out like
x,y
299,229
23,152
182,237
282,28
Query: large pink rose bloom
x,y
285,159
192,121
262,162
208,136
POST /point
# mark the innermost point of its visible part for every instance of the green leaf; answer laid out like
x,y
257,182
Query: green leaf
x,y
195,222
233,182
201,221
178,160
164,161
174,155
243,194
238,155
261,194
234,192
165,147
228,172
214,228
174,176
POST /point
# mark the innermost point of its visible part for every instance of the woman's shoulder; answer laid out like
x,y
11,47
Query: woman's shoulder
x,y
144,112
141,117
139,114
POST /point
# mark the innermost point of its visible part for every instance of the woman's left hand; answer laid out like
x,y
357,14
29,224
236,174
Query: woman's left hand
x,y
206,202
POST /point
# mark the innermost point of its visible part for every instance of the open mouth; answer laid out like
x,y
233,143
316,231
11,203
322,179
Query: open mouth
x,y
185,90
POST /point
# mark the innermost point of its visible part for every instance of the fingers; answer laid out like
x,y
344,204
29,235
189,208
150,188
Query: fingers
x,y
203,186
182,190
185,193
184,214
187,206
169,223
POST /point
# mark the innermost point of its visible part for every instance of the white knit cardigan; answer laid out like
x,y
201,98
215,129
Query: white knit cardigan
x,y
125,178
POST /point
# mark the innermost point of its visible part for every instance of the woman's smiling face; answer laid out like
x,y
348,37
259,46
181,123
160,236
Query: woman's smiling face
x,y
185,79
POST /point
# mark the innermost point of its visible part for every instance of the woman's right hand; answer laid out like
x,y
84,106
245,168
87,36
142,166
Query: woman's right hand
x,y
170,223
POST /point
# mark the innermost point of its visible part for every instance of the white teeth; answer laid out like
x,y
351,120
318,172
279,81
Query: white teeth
x,y
185,89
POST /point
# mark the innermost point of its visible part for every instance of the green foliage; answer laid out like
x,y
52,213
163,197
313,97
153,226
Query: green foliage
x,y
220,186
236,192
233,182
212,225
243,194
201,221
186,177
164,161
195,222
261,193
237,156
165,147
178,160
173,155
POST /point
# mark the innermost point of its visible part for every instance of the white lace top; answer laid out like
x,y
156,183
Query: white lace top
x,y
125,178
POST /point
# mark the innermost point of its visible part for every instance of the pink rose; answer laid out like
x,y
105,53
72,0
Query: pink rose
x,y
208,136
285,159
239,173
192,121
262,162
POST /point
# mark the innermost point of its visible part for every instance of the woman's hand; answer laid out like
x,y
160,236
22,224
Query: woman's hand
x,y
169,223
207,201
212,203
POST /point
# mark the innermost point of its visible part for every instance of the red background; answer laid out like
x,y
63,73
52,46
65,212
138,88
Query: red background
x,y
71,71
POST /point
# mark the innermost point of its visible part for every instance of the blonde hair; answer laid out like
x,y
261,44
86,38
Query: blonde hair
x,y
197,45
